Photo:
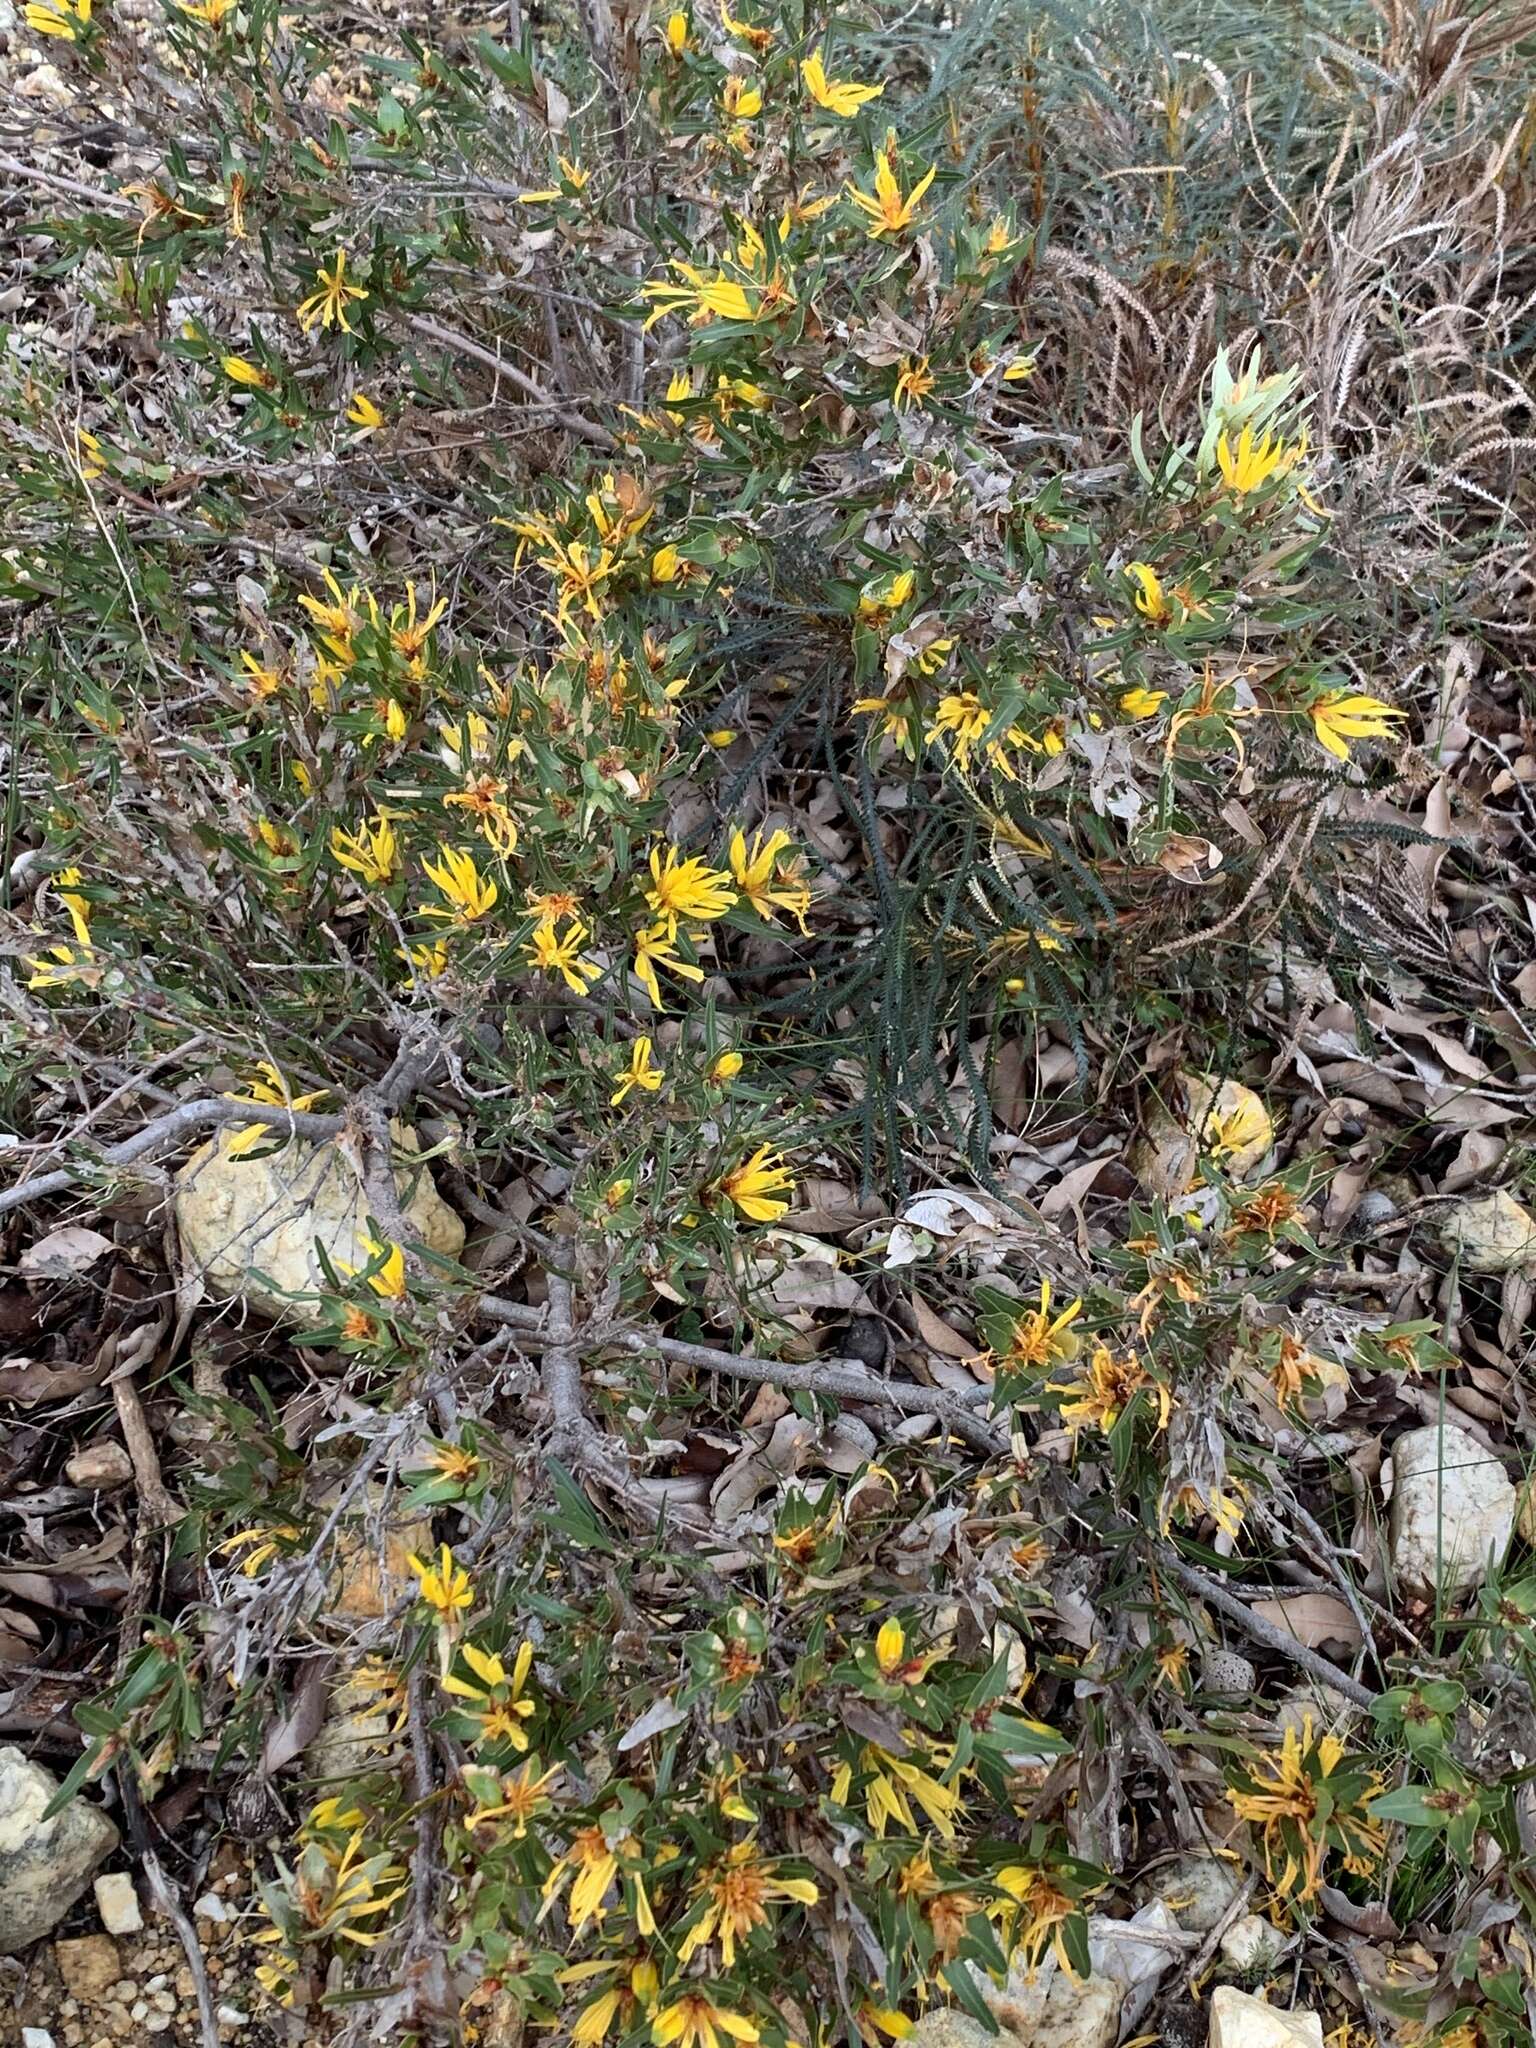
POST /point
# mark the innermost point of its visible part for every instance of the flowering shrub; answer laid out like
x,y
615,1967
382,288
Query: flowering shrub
x,y
663,620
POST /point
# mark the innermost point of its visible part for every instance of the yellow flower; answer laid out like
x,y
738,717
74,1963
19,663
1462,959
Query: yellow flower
x,y
267,1086
887,212
1283,1796
686,889
695,2021
523,1799
445,1587
499,1705
1248,1122
328,306
704,298
594,1865
1035,1915
890,1647
675,35
725,1066
666,565
1250,465
887,594
657,947
260,1545
1039,1338
210,11
364,414
742,102
639,1073
1340,716
373,852
735,1893
759,38
914,381
241,370
1143,703
893,1783
842,99
470,895
760,1186
562,956
430,957
389,1280
1150,600
1112,1384
757,875
63,18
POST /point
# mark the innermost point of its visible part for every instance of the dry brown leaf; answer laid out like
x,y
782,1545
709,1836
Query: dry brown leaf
x,y
64,1252
940,1336
1312,1618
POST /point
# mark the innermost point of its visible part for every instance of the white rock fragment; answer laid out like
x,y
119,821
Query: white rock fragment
x,y
1490,1233
1197,1890
211,1907
1252,1945
118,1904
44,1864
101,1466
251,1225
1238,2021
36,2037
1453,1510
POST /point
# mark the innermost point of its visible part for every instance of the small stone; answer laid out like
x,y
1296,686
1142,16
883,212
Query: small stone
x,y
1253,1946
1490,1233
211,1907
1224,1671
102,1466
1058,2011
157,2022
1196,1889
1453,1510
232,2016
139,2010
125,1990
164,2001
88,1965
948,2028
1238,2021
118,1904
1318,1702
44,1864
36,2037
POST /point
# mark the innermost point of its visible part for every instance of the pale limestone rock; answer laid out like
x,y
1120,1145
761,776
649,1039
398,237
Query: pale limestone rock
x,y
1318,1702
1222,1118
949,2028
356,1735
1238,2021
1453,1510
1058,2011
1196,1889
250,1225
1227,1673
102,1466
89,1966
1252,1945
118,1903
1490,1233
372,1563
44,1864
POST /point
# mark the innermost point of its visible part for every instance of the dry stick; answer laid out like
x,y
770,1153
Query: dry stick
x,y
839,1378
171,1906
573,422
404,1074
1265,1632
174,1125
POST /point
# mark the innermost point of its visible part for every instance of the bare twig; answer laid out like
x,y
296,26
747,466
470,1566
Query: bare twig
x,y
573,422
841,1379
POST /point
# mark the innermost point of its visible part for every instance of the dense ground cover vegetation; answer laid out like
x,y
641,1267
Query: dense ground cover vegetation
x,y
863,680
